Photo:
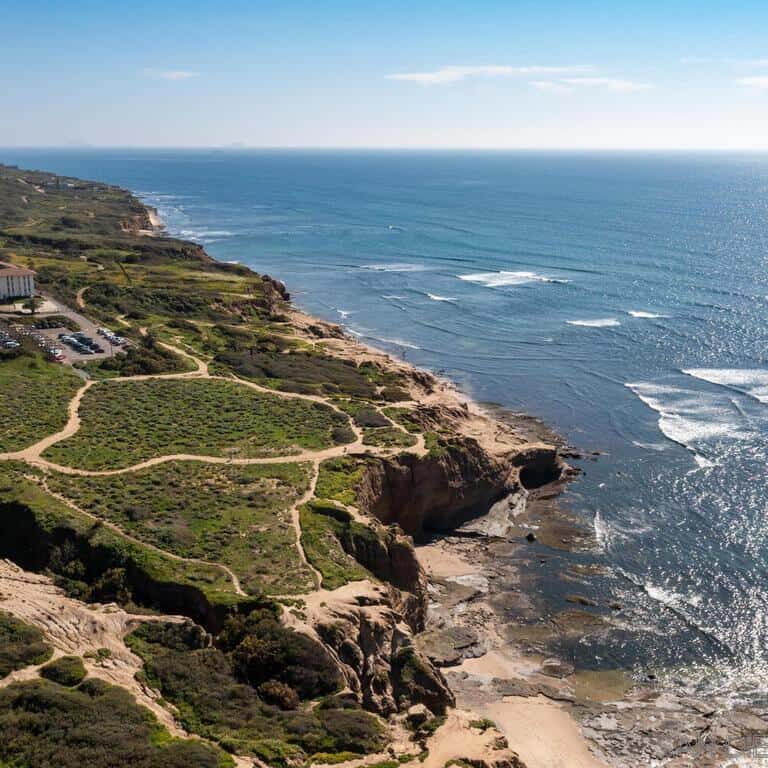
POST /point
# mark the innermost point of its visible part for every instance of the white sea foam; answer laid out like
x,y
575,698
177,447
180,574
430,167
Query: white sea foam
x,y
601,531
651,446
344,313
396,342
750,381
689,417
393,298
435,297
394,267
499,279
205,235
644,315
603,322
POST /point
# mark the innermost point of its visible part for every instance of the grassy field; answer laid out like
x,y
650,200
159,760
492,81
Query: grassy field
x,y
388,437
35,396
123,423
338,478
236,515
322,528
90,561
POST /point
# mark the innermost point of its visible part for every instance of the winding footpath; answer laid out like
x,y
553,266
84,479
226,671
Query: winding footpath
x,y
33,455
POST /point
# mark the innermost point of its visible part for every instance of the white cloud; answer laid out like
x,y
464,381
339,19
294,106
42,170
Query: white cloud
x,y
759,81
609,83
170,74
566,84
550,86
455,74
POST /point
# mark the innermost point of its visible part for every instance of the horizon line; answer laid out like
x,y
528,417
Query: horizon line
x,y
371,148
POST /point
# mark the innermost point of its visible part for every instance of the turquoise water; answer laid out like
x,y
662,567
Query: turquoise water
x,y
622,298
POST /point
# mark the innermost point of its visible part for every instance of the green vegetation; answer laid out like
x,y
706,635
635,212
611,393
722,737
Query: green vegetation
x,y
95,725
483,724
405,417
144,358
307,371
323,529
435,444
91,561
338,478
35,396
66,670
364,414
215,688
388,437
236,515
21,645
125,422
331,758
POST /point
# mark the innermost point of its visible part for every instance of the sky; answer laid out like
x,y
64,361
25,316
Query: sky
x,y
480,75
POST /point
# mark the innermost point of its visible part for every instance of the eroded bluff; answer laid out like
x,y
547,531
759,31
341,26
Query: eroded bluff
x,y
370,631
439,492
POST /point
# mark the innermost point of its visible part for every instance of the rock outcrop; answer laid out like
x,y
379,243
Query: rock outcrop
x,y
437,493
374,645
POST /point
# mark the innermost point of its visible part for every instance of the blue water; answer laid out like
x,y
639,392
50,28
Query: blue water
x,y
621,298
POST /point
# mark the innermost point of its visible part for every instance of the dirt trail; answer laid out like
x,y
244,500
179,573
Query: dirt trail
x,y
118,530
73,627
33,453
296,523
69,429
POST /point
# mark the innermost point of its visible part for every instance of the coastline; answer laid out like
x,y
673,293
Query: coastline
x,y
498,612
538,725
539,728
481,571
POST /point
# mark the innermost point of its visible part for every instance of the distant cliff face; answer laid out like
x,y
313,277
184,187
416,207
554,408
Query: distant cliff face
x,y
439,492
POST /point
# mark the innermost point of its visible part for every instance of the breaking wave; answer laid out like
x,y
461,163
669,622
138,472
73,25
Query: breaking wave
x,y
604,322
502,278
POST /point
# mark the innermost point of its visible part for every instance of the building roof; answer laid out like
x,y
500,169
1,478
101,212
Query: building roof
x,y
10,270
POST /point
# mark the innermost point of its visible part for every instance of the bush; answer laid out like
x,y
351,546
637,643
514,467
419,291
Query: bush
x,y
202,683
67,670
96,725
266,650
21,645
279,694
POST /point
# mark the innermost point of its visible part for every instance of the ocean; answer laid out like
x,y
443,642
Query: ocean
x,y
621,298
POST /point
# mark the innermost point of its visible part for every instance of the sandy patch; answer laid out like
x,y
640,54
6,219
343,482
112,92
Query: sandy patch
x,y
75,628
440,562
543,733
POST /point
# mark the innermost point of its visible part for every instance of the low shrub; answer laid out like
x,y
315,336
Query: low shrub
x,y
21,644
67,670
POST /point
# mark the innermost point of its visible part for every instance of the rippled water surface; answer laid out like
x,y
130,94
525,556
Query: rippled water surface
x,y
622,298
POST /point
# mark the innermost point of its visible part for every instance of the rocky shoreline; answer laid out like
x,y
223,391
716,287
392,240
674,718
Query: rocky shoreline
x,y
487,523
503,655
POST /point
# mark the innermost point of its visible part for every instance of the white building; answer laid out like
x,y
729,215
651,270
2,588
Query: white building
x,y
16,282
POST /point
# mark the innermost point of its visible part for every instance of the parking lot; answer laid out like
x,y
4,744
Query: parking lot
x,y
63,344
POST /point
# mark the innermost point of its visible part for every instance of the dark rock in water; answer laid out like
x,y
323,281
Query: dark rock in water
x,y
557,668
529,689
530,536
581,600
449,646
